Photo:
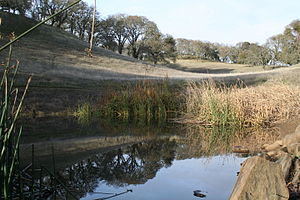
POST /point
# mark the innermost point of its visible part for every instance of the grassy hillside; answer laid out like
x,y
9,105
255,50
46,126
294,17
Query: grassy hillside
x,y
51,53
64,76
54,55
204,66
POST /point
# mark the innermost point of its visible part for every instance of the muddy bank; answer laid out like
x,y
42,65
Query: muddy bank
x,y
40,101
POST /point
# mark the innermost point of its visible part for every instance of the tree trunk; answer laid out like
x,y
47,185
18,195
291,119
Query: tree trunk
x,y
93,27
135,53
120,49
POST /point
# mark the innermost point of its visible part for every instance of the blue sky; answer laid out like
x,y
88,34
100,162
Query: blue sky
x,y
223,21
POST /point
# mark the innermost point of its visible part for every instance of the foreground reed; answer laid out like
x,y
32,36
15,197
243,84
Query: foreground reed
x,y
10,107
210,104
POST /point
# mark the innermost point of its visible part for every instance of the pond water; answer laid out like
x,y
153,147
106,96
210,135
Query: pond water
x,y
215,177
101,161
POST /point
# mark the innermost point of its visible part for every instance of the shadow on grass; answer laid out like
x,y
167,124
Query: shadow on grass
x,y
202,70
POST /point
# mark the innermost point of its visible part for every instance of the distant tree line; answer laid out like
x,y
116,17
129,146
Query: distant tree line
x,y
136,35
281,49
140,38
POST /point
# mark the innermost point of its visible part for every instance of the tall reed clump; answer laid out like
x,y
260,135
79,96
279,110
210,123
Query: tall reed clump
x,y
84,113
10,110
144,101
260,106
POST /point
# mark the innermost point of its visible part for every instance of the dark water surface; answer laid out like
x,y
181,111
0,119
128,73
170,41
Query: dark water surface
x,y
101,159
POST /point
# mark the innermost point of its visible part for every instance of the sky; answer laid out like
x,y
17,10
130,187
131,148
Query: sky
x,y
221,21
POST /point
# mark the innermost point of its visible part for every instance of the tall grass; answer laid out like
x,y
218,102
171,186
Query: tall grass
x,y
260,106
144,101
10,108
84,113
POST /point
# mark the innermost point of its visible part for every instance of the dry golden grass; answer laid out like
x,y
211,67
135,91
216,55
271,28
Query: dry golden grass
x,y
260,106
204,66
290,76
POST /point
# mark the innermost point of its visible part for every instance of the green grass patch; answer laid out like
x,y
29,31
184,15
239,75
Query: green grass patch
x,y
143,102
84,113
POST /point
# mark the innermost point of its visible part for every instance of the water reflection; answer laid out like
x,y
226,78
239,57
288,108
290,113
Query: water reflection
x,y
157,163
57,128
135,164
154,170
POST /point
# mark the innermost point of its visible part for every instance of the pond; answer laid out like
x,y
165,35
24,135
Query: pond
x,y
100,161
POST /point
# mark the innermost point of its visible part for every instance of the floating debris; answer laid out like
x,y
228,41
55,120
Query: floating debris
x,y
240,149
199,193
112,196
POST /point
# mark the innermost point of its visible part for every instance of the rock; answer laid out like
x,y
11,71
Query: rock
x,y
260,179
285,162
275,155
296,177
294,149
291,139
297,129
275,146
286,141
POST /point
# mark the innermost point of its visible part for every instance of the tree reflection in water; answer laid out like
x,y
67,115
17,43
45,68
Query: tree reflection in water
x,y
135,164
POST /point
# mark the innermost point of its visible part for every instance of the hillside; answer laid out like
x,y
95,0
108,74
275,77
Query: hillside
x,y
64,76
52,54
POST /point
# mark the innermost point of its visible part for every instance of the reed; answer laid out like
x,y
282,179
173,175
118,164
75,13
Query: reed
x,y
10,108
144,101
210,104
84,113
